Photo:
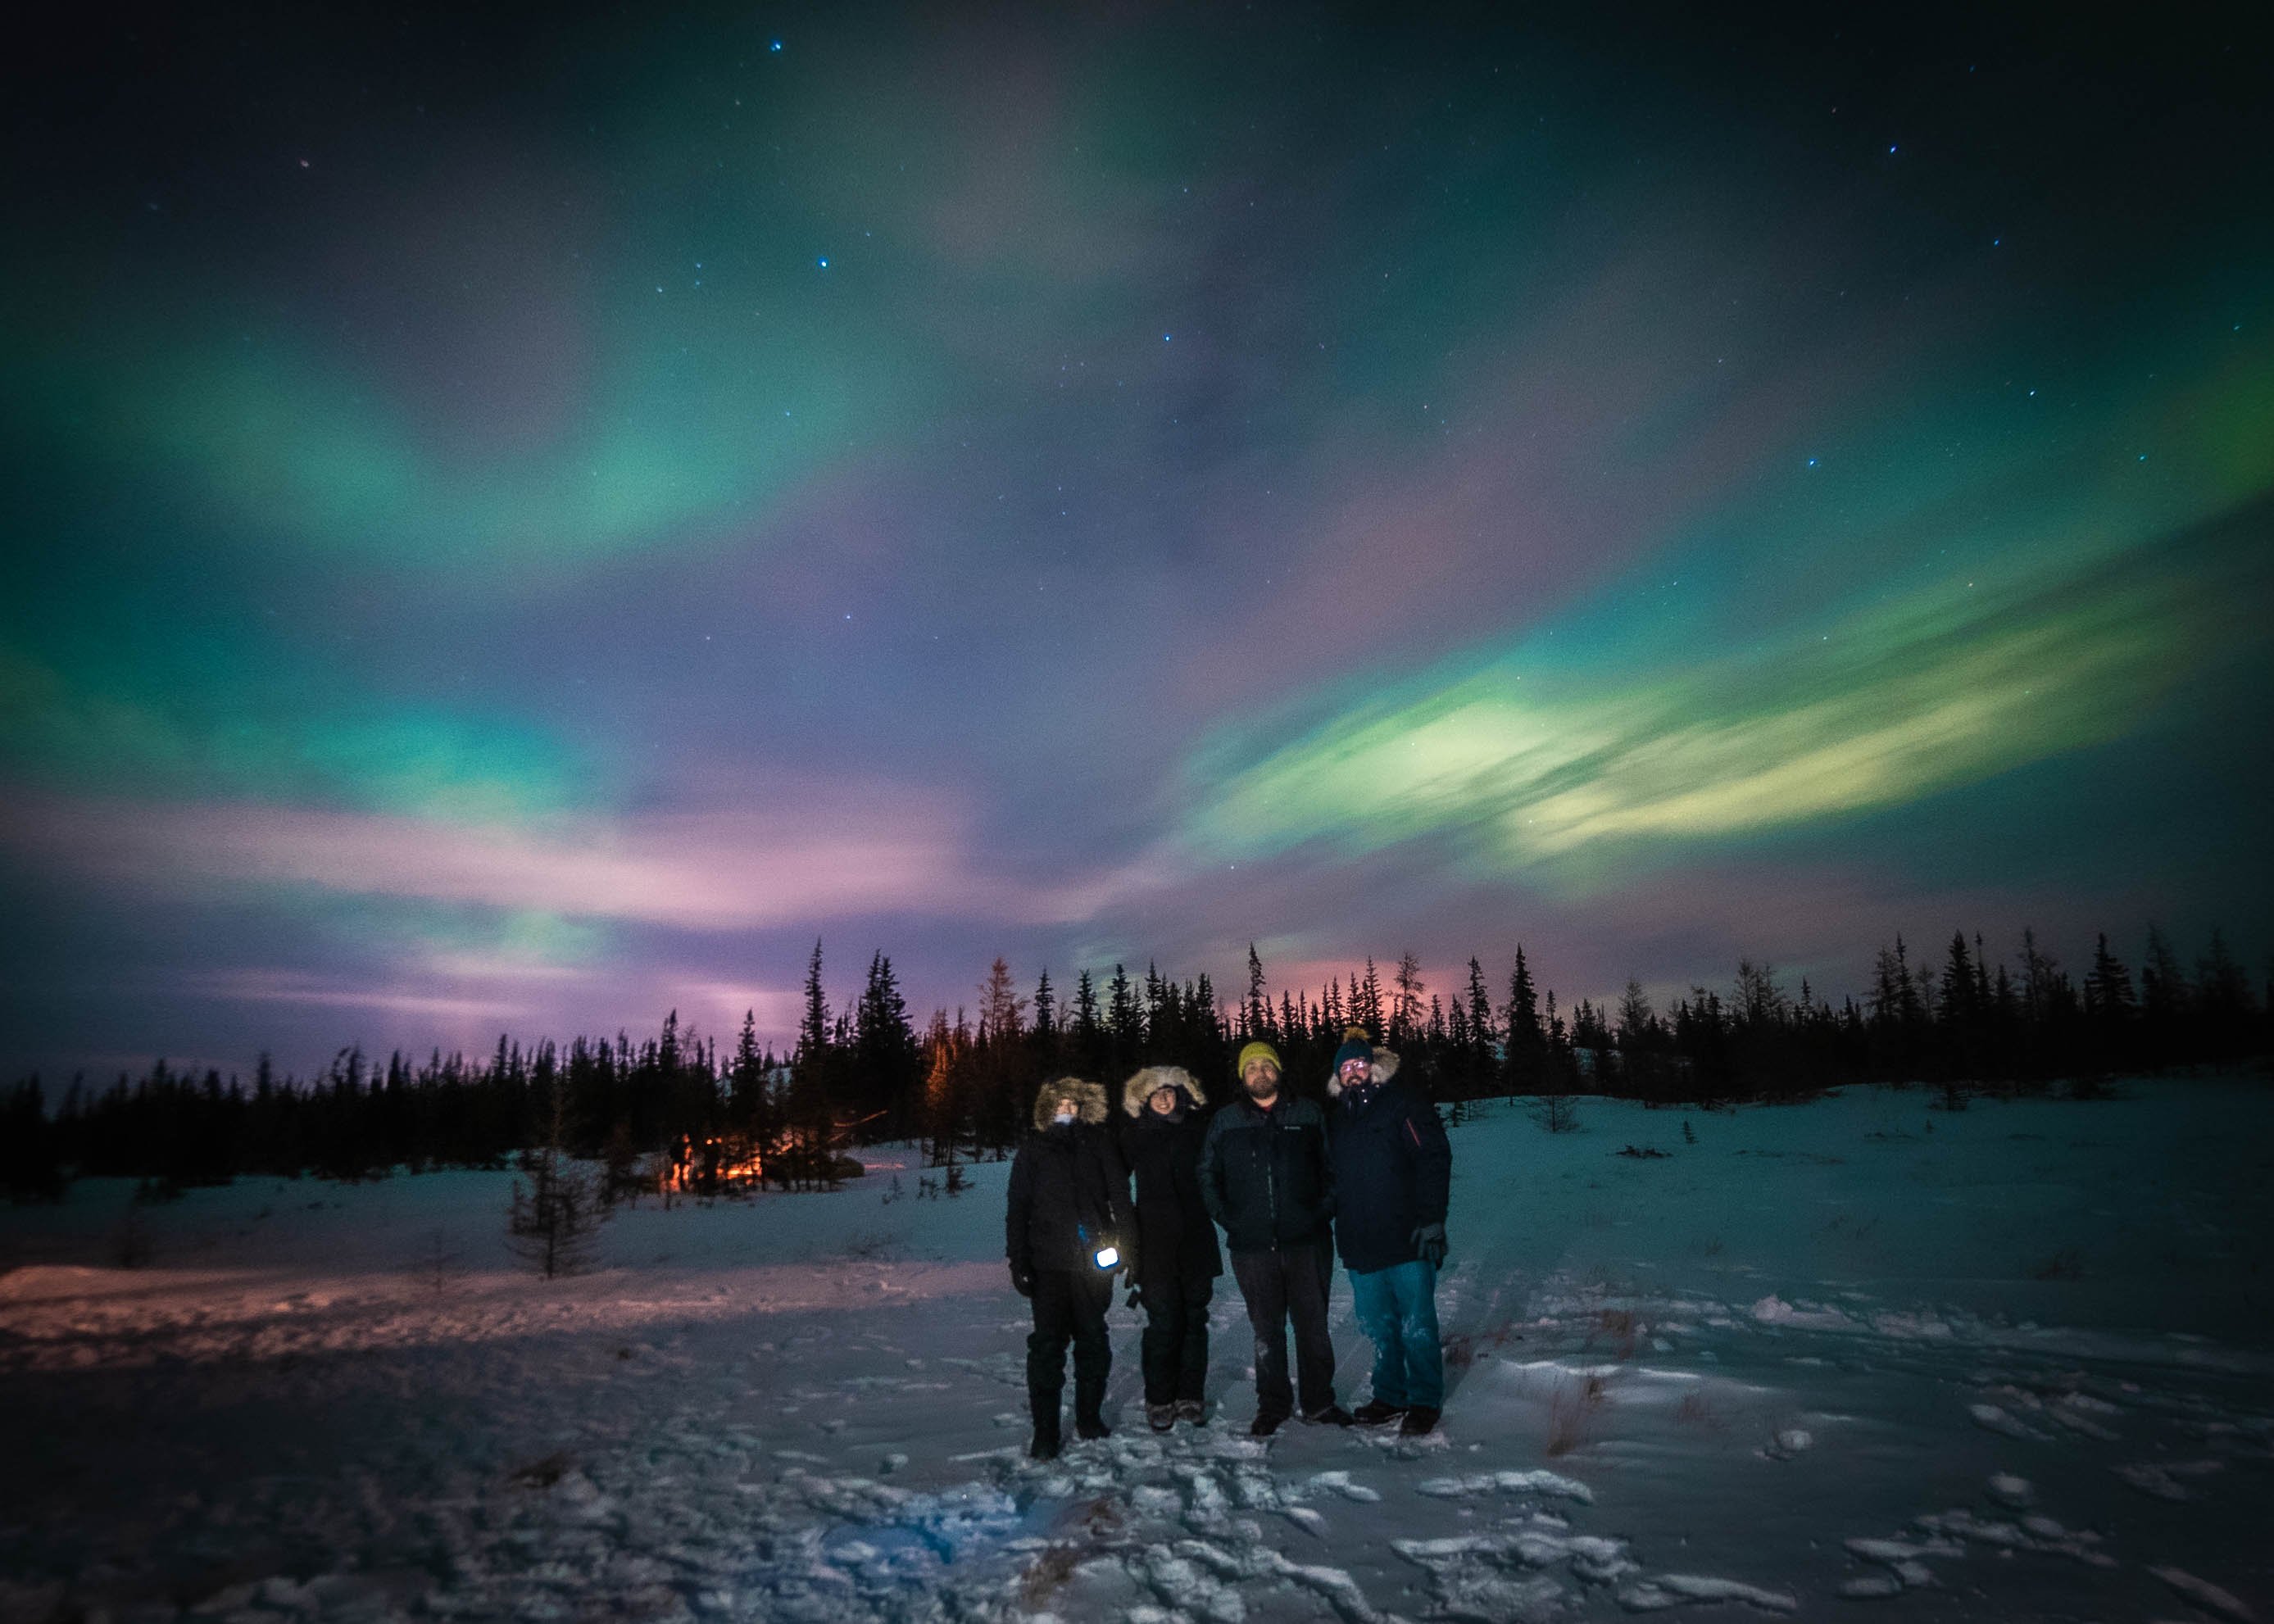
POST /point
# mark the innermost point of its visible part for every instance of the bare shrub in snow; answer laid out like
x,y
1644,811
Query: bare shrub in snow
x,y
437,1263
1463,1348
1620,1326
1046,1575
1558,1113
1571,1411
131,1246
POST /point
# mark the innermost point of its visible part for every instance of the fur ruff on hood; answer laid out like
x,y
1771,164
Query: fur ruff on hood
x,y
1142,1085
1385,1067
1090,1096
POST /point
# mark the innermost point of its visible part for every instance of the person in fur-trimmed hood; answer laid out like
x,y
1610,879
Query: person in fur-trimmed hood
x,y
1161,1136
1393,1175
1069,1201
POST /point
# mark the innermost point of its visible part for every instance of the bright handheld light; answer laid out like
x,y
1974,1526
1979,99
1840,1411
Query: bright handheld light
x,y
1107,1257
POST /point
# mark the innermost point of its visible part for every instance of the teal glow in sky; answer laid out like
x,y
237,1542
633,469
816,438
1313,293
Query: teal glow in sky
x,y
524,524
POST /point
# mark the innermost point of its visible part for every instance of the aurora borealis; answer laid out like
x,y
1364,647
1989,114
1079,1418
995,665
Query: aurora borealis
x,y
525,522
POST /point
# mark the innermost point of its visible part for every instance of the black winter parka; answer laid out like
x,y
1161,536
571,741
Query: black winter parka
x,y
1266,1176
1393,1171
1175,1242
1069,1193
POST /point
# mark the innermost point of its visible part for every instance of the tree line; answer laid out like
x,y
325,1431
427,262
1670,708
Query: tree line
x,y
676,1111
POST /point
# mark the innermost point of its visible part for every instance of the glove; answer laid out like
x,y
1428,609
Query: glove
x,y
1429,1241
1022,1281
1136,1298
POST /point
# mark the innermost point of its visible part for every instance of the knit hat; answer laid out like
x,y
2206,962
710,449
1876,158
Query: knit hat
x,y
1356,1046
1258,1050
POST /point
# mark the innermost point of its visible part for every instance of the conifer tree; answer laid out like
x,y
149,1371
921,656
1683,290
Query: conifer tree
x,y
1527,1038
1637,1021
813,1026
553,1221
1046,1039
2222,1000
2108,986
1405,1002
2163,994
1479,1024
811,1106
1086,1033
749,1091
1365,1000
884,1052
1125,1024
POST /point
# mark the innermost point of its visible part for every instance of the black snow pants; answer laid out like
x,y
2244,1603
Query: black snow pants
x,y
1280,1285
1069,1306
1175,1343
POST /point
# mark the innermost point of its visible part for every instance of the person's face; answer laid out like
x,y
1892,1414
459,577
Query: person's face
x,y
1162,1100
1355,1072
1262,1079
1065,1109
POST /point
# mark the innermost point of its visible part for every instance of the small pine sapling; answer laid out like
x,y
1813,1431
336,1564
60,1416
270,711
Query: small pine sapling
x,y
553,1222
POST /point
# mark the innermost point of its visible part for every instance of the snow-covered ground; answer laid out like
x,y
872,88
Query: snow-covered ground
x,y
1857,1357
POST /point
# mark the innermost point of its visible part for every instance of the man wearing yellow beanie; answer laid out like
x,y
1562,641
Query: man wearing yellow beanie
x,y
1257,1050
1267,1181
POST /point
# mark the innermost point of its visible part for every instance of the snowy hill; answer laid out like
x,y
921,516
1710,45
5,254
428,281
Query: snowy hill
x,y
1854,1356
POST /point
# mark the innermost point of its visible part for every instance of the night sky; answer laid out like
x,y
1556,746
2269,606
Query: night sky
x,y
521,521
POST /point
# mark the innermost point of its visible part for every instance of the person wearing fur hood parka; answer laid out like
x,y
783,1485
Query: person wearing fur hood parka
x,y
1161,1129
1069,1204
1393,1170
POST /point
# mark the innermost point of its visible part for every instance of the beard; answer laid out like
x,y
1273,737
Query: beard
x,y
1260,1088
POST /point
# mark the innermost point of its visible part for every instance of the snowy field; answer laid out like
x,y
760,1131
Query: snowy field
x,y
1856,1358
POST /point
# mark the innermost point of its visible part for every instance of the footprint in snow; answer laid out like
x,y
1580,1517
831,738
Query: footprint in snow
x,y
2015,1493
1787,1445
2211,1597
2161,1479
1999,1420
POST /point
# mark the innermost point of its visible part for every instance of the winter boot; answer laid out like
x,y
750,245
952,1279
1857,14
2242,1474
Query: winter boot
x,y
1264,1425
1161,1417
1089,1402
1418,1423
1374,1412
1044,1444
1333,1414
1193,1411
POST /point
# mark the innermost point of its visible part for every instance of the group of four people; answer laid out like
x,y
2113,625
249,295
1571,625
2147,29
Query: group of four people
x,y
1288,1183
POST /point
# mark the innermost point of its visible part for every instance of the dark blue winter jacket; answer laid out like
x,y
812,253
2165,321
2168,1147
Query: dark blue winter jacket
x,y
1393,1170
